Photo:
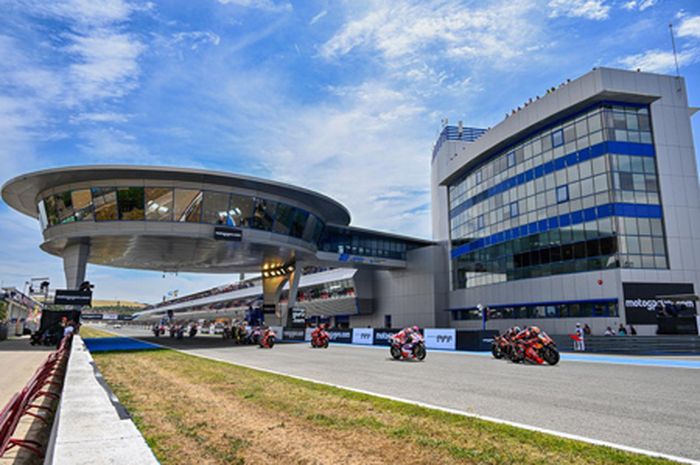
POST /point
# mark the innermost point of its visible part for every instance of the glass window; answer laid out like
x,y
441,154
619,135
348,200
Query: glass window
x,y
299,222
480,222
159,203
562,194
82,204
51,213
557,138
188,205
215,208
478,177
283,219
64,207
511,159
105,201
130,201
43,218
243,212
513,209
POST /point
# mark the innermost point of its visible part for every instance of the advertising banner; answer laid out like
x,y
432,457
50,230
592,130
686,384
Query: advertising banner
x,y
110,316
645,301
362,336
72,297
227,234
440,338
382,335
294,334
340,335
298,315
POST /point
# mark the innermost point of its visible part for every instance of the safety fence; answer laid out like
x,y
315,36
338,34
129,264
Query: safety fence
x,y
46,382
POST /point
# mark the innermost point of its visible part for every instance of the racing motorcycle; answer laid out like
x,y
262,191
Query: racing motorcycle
x,y
543,346
320,339
416,347
267,339
501,347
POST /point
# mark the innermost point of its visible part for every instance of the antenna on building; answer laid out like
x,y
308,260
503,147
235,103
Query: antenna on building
x,y
675,57
673,44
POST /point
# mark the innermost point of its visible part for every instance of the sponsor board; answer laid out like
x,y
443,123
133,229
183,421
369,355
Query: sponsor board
x,y
294,334
644,301
340,335
269,308
440,338
298,316
72,297
227,234
110,316
361,336
382,336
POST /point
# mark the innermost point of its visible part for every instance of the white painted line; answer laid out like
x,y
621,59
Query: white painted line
x,y
560,434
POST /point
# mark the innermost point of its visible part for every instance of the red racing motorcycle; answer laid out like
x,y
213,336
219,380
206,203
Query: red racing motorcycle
x,y
320,339
267,339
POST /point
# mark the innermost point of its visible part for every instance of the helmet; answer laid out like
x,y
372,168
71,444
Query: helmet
x,y
416,328
535,330
515,329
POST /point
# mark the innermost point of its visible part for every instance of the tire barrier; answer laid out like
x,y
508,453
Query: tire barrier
x,y
48,376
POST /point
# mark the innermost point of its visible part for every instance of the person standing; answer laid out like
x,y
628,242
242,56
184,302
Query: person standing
x,y
633,331
579,343
621,331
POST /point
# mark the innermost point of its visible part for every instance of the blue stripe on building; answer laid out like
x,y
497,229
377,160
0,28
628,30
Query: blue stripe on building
x,y
560,163
629,210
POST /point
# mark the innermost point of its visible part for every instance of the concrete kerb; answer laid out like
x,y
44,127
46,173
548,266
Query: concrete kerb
x,y
91,426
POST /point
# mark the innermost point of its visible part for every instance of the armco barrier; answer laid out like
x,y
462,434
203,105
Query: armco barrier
x,y
49,374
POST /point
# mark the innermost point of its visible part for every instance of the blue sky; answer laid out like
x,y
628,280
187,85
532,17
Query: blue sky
x,y
342,97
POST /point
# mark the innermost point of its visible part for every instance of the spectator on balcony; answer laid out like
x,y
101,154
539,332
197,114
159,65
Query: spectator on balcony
x,y
609,332
621,331
633,331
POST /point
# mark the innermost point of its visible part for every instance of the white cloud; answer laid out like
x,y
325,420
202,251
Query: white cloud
x,y
497,31
194,39
588,9
107,64
265,5
660,61
106,117
88,13
640,5
690,27
318,17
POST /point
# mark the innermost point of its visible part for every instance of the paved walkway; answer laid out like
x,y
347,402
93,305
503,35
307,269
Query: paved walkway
x,y
18,362
93,427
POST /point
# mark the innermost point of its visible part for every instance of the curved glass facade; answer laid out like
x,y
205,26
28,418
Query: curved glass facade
x,y
579,195
179,205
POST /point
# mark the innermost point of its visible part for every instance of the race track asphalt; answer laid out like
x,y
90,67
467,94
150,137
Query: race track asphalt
x,y
648,407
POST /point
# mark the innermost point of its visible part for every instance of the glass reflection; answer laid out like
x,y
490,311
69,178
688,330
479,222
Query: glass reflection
x,y
283,219
159,204
130,201
215,208
82,204
188,205
263,215
104,200
64,207
241,210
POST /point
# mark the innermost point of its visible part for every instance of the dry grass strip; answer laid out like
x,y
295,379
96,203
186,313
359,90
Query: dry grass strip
x,y
193,410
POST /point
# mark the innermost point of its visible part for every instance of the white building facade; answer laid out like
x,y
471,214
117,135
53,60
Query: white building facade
x,y
583,206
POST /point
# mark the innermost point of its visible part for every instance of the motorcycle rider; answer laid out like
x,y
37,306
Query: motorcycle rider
x,y
405,338
318,331
524,340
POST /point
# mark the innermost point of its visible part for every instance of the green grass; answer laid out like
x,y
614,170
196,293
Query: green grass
x,y
214,409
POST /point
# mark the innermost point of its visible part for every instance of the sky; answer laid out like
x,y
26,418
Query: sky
x,y
342,97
